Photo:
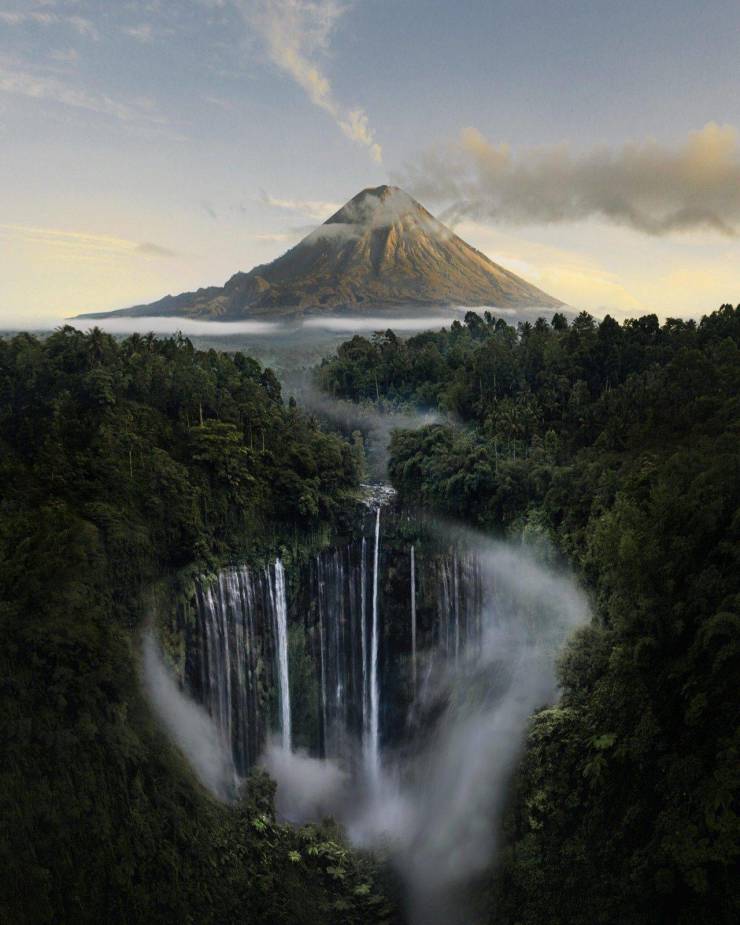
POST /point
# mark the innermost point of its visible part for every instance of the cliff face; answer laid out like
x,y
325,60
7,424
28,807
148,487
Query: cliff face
x,y
380,250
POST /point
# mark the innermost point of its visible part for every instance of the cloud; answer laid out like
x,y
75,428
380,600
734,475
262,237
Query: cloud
x,y
147,249
83,27
80,244
65,56
79,24
313,208
143,33
226,105
646,186
21,81
296,33
209,210
274,237
12,19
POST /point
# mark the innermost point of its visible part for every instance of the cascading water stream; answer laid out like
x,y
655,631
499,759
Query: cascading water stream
x,y
363,634
456,604
373,738
413,619
281,626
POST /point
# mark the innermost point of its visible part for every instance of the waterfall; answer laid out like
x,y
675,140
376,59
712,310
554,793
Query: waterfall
x,y
456,602
320,593
413,619
281,626
225,648
329,701
363,632
373,752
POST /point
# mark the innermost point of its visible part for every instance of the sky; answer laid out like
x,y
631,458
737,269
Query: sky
x,y
152,147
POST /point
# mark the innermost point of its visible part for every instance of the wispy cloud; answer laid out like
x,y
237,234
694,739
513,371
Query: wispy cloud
x,y
209,210
83,27
317,209
296,35
82,244
219,102
149,249
19,80
78,24
65,56
143,32
649,187
276,237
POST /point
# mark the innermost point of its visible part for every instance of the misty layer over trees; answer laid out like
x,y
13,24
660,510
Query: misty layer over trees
x,y
621,442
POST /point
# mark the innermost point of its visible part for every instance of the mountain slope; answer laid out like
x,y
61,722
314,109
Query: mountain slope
x,y
381,249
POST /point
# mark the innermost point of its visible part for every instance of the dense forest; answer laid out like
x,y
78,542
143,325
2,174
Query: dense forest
x,y
621,442
128,466
122,463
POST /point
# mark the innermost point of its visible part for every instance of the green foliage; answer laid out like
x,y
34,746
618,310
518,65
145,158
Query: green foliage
x,y
621,441
120,463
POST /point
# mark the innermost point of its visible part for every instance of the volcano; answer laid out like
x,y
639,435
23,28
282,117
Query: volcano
x,y
381,250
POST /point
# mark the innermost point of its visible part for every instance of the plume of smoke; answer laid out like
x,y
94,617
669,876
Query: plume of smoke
x,y
652,188
188,724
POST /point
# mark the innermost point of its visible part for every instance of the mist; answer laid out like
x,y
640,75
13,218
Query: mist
x,y
173,324
436,808
351,322
375,425
188,724
460,779
307,788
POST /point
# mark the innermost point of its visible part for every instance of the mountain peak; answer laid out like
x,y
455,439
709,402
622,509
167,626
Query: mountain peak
x,y
377,206
382,249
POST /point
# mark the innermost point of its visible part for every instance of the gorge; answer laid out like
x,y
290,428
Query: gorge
x,y
399,668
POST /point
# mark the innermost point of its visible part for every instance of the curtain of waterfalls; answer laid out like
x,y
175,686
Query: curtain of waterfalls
x,y
360,662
